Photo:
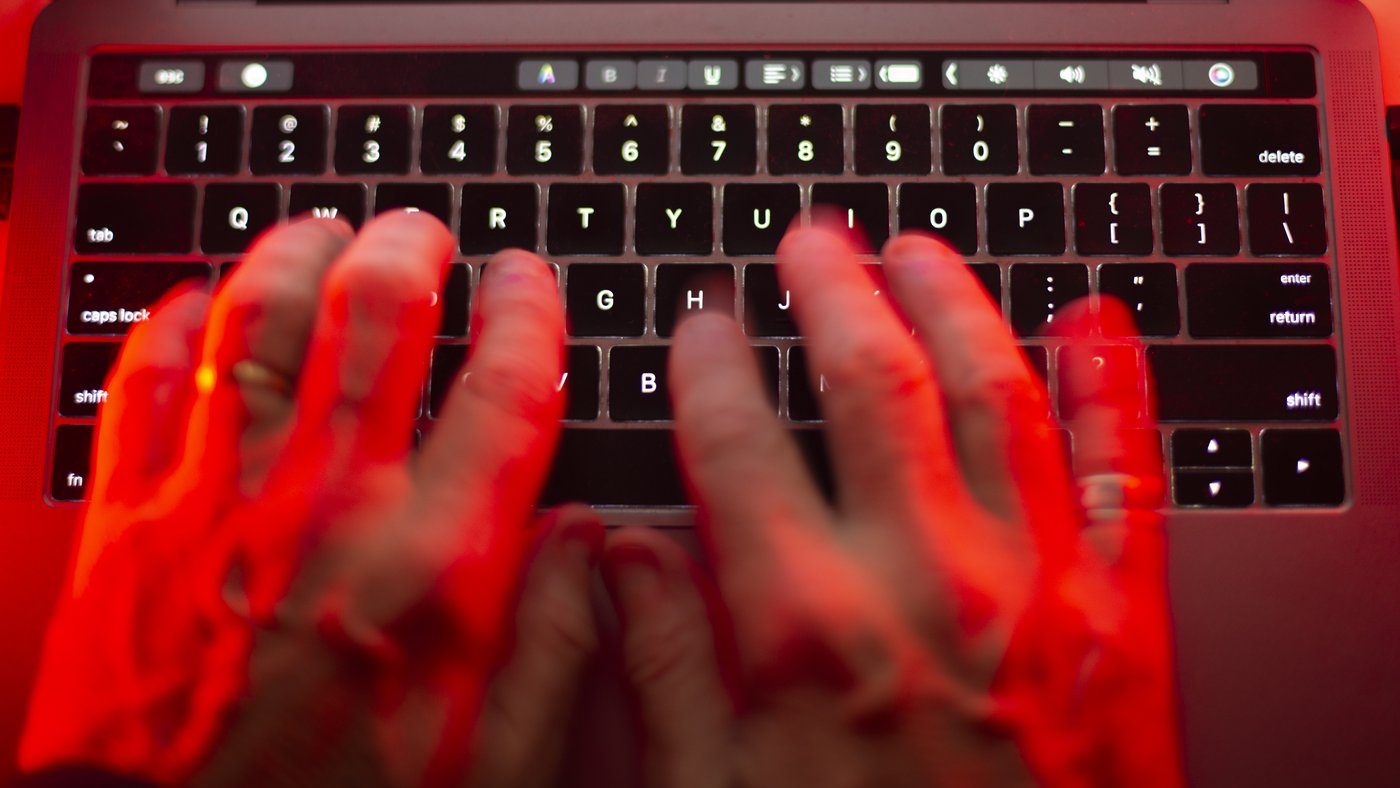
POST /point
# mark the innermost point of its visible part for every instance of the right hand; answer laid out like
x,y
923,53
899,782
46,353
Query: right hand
x,y
953,619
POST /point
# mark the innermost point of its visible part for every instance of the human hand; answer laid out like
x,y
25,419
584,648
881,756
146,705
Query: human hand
x,y
264,562
957,617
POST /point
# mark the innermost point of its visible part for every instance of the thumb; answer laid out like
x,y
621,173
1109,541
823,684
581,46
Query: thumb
x,y
668,647
524,721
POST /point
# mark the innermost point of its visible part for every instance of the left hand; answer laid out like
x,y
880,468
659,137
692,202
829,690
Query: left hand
x,y
261,543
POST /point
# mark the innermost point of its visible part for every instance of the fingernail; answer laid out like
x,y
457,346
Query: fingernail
x,y
633,571
581,534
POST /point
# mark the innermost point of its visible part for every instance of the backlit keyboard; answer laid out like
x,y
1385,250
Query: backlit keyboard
x,y
1189,186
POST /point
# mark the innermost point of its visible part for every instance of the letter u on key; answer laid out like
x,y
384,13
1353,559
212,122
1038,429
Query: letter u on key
x,y
763,223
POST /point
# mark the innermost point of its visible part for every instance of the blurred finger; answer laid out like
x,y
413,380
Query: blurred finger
x,y
747,478
998,410
521,734
264,315
374,331
669,653
143,420
1118,457
884,419
493,441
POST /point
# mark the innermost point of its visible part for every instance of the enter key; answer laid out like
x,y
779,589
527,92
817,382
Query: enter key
x,y
1258,300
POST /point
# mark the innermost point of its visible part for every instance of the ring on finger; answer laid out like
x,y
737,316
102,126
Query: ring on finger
x,y
250,372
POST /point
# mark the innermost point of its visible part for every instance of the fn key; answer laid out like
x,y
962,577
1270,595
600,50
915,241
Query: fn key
x,y
72,450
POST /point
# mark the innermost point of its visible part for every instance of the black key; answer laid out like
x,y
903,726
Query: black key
x,y
1113,219
1040,290
1216,488
1244,382
948,210
893,139
979,140
204,141
236,213
329,201
498,216
675,218
1116,364
288,140
1152,139
545,140
373,140
1302,467
586,218
443,375
803,404
768,372
1263,300
989,274
1038,356
637,467
1148,292
1065,139
1025,218
767,307
607,299
756,215
433,198
1286,220
456,301
83,385
863,208
120,140
1212,449
146,218
109,298
459,139
719,139
805,139
1277,140
681,289
1200,219
632,140
72,459
582,376
637,384
615,468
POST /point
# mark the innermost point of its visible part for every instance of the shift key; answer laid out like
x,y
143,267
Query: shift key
x,y
135,218
1244,382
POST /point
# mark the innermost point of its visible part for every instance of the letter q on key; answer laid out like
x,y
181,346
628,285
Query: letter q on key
x,y
238,218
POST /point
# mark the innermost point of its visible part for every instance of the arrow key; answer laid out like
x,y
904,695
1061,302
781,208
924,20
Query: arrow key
x,y
1224,489
1212,449
1302,467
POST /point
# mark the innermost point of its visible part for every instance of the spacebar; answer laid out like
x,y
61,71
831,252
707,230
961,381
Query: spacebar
x,y
639,468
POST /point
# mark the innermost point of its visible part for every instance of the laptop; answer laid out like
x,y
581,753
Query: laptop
x,y
1218,166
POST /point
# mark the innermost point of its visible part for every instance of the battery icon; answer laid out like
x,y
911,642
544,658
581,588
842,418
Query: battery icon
x,y
900,74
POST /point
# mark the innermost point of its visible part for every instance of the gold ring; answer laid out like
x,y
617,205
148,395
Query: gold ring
x,y
255,373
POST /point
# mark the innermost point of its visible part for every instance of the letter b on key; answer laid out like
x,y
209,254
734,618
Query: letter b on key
x,y
648,382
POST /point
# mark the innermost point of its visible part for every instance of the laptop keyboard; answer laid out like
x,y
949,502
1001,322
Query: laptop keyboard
x,y
1190,189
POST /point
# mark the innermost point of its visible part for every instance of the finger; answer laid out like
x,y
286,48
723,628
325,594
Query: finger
x,y
140,429
492,445
1117,448
998,411
884,419
669,652
521,735
369,354
263,314
747,478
